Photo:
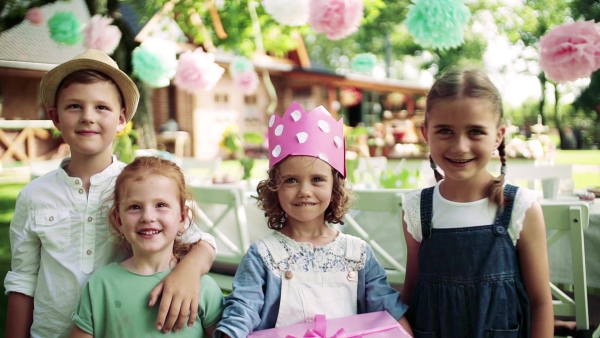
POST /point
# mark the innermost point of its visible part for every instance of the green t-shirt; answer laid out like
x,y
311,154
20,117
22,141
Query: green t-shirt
x,y
114,303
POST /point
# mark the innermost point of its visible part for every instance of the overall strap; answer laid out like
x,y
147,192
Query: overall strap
x,y
426,211
275,248
505,212
353,248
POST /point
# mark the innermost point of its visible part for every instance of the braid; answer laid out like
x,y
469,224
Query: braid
x,y
496,191
436,173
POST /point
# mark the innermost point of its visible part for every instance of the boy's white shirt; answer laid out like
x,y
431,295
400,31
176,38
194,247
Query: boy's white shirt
x,y
52,260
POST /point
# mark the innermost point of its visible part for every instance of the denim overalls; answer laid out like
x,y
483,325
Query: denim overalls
x,y
469,282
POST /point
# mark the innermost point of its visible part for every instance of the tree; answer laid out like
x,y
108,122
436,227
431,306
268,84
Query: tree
x,y
525,25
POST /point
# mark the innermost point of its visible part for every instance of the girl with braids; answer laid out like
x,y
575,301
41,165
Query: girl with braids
x,y
477,263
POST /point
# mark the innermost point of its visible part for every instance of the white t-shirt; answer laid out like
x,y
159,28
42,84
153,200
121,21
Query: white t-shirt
x,y
449,214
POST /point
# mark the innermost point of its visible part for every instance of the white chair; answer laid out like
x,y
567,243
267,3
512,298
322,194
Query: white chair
x,y
569,219
203,169
369,169
533,174
376,217
220,212
39,168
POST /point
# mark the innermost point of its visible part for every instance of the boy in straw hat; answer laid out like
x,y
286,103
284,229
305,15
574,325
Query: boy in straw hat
x,y
59,233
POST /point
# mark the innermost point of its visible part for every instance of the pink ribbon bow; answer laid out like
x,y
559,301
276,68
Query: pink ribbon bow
x,y
320,330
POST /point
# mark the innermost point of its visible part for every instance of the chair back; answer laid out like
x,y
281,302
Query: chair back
x,y
370,168
565,222
531,174
196,168
376,217
220,212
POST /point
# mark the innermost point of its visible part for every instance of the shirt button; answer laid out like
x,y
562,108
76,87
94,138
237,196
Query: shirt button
x,y
89,219
81,191
51,218
76,181
89,252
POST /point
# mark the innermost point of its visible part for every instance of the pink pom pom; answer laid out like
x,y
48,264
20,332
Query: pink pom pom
x,y
197,71
247,81
35,16
336,18
570,51
99,34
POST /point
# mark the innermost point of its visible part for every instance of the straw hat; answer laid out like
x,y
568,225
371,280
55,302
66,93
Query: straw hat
x,y
92,59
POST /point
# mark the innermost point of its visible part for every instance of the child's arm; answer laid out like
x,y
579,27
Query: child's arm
x,y
210,330
244,305
19,315
76,332
180,290
406,325
533,257
412,264
379,295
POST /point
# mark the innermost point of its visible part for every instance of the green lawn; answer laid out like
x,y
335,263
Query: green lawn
x,y
8,197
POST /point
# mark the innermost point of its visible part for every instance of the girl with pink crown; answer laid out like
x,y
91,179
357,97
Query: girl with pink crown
x,y
305,268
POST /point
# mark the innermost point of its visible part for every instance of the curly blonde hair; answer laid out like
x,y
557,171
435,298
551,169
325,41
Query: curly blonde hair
x,y
268,199
137,171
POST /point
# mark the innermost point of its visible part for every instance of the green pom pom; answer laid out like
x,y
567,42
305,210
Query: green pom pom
x,y
364,63
65,28
239,65
154,64
438,23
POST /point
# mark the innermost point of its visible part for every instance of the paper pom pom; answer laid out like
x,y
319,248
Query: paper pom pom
x,y
570,51
437,23
336,18
197,71
154,62
364,63
247,81
35,16
240,64
99,34
65,28
350,96
288,12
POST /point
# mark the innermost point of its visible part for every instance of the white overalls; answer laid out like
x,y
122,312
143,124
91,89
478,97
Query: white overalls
x,y
306,294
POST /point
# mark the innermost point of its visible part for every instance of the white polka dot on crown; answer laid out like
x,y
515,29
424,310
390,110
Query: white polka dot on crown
x,y
324,126
276,151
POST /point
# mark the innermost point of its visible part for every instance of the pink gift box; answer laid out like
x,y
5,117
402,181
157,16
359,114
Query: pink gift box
x,y
369,325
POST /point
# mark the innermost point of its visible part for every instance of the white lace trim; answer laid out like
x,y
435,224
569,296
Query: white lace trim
x,y
328,258
523,201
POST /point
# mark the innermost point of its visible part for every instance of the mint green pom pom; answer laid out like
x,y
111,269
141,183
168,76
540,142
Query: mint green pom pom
x,y
437,23
65,28
364,63
239,65
154,63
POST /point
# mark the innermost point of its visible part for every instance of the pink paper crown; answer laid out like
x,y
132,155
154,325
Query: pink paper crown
x,y
314,134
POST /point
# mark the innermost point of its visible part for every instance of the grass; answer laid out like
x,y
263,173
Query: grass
x,y
8,197
9,192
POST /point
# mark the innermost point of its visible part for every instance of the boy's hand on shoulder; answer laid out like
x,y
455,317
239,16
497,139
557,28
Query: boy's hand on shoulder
x,y
179,303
